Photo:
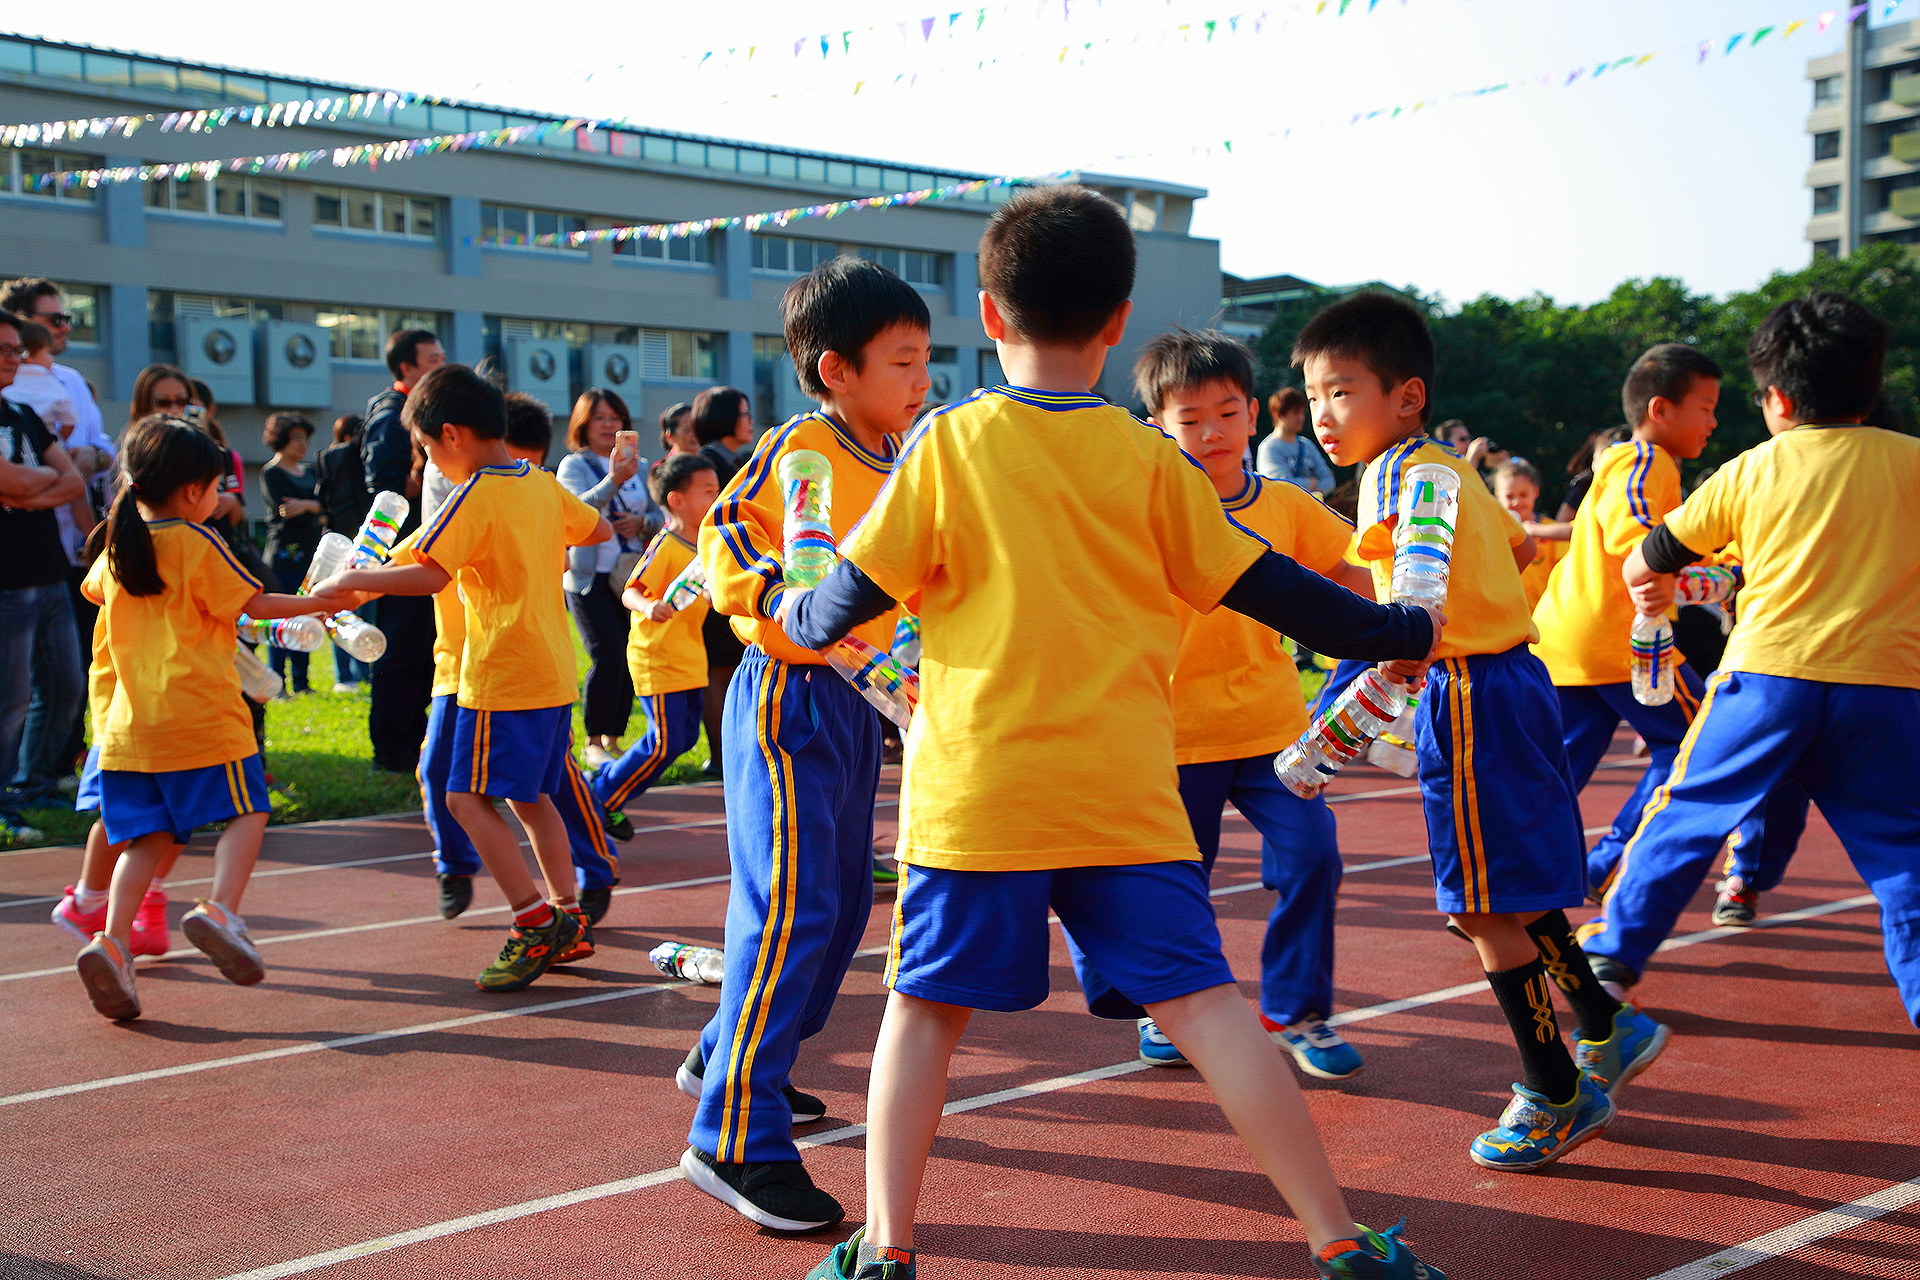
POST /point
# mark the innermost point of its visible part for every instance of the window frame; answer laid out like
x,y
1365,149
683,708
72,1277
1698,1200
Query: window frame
x,y
11,183
493,223
252,187
383,207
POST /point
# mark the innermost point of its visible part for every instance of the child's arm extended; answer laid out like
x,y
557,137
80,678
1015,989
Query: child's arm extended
x,y
642,603
1524,554
1649,570
1355,578
601,532
352,587
273,604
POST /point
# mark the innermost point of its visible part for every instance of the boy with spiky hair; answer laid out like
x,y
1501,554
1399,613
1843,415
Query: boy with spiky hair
x,y
1046,534
1503,824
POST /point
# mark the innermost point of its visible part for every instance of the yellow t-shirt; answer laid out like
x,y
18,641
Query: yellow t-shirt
x,y
1586,617
1235,690
743,537
170,692
1825,520
1047,536
503,536
670,656
1536,577
1486,605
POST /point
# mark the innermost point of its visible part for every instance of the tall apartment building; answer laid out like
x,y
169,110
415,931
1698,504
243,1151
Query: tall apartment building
x,y
1865,132
281,288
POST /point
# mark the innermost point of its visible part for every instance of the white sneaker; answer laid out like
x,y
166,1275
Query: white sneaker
x,y
222,935
107,971
595,756
344,687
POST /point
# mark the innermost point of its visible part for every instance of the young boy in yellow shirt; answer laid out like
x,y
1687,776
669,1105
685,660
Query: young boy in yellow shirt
x,y
1046,535
1503,824
501,539
1516,486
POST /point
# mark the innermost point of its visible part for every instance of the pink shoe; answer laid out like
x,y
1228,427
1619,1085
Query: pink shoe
x,y
81,924
150,925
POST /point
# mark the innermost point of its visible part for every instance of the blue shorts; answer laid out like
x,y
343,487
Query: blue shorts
x,y
516,755
1503,820
87,798
138,804
1138,935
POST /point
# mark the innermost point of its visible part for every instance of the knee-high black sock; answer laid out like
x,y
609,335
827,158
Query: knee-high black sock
x,y
1567,965
1526,997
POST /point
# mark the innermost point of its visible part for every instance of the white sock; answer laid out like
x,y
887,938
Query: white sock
x,y
87,900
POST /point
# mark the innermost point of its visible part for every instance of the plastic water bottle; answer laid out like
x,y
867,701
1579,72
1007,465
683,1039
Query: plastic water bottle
x,y
1423,539
360,638
1653,661
1393,749
1707,584
329,558
691,585
684,960
303,634
378,531
890,686
256,680
906,640
1362,712
806,486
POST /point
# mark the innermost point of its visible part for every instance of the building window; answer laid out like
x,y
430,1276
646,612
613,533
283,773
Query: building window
x,y
511,224
1826,200
361,333
1826,248
229,195
19,170
1826,91
677,353
1826,146
379,212
688,249
163,306
797,257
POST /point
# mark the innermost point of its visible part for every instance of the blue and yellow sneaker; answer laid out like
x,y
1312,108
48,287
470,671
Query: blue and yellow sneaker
x,y
1533,1132
844,1263
1376,1255
1155,1049
1636,1041
1317,1047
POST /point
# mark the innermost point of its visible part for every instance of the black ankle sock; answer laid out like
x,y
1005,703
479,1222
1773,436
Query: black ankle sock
x,y
1567,965
1526,997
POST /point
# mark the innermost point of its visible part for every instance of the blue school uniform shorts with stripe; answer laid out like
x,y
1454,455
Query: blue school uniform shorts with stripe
x,y
596,865
673,727
1849,746
802,756
87,798
515,755
138,804
1503,821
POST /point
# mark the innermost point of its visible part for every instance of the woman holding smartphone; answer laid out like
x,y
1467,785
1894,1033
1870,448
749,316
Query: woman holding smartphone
x,y
605,471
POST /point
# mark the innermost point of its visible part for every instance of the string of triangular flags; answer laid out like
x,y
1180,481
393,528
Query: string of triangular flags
x,y
267,115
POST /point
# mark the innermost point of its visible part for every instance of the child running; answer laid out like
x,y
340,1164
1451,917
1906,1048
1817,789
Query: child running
x,y
1046,534
501,540
174,748
1516,486
1503,824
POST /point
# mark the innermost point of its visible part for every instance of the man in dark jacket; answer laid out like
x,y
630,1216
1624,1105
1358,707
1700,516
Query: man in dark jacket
x,y
402,684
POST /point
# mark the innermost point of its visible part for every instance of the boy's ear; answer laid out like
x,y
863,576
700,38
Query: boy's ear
x,y
1116,326
833,370
1412,398
991,319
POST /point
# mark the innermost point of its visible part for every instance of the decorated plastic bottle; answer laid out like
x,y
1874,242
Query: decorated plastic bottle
x,y
1393,750
906,640
1707,584
303,634
329,558
360,638
684,960
1654,658
1423,539
806,488
256,680
691,585
892,687
1367,707
378,531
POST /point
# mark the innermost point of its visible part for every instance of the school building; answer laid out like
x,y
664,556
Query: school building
x,y
280,288
1864,128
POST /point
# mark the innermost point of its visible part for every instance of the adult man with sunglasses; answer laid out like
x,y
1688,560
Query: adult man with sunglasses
x,y
39,299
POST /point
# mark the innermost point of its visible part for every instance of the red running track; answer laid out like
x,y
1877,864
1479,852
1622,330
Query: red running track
x,y
366,1112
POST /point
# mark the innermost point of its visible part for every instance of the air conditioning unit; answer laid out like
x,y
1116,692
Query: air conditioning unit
x,y
948,384
540,367
219,352
615,367
293,364
788,398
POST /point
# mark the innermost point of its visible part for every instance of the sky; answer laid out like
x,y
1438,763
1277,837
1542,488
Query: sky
x,y
1674,166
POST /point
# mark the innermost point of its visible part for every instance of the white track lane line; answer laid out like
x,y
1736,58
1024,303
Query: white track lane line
x,y
1798,1235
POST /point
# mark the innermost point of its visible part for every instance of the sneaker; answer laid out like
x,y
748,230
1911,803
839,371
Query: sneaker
x,y
15,831
617,823
1317,1047
150,925
884,874
456,895
81,924
713,772
1734,904
595,903
691,1076
777,1194
343,687
595,756
529,952
1615,977
1155,1049
582,947
1636,1041
1376,1255
844,1263
107,972
222,935
1533,1132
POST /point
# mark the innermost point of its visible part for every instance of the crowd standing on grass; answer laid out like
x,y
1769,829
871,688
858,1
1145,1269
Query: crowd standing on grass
x,y
1063,762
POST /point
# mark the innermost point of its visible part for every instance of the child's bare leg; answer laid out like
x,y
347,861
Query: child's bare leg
x,y
131,876
96,864
1501,940
1217,1032
494,841
233,858
906,1090
548,833
167,860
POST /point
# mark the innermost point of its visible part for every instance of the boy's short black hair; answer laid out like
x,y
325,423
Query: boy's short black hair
x,y
1825,352
1386,333
529,424
1667,371
1185,358
1057,262
404,347
673,473
454,393
841,306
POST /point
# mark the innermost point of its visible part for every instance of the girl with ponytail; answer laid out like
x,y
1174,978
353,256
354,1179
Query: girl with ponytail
x,y
173,749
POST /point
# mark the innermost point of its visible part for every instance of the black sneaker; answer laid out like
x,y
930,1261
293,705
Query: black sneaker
x,y
777,1194
595,903
618,825
456,895
691,1075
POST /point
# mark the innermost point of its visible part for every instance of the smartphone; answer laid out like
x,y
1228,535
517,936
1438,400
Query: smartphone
x,y
626,445
196,414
